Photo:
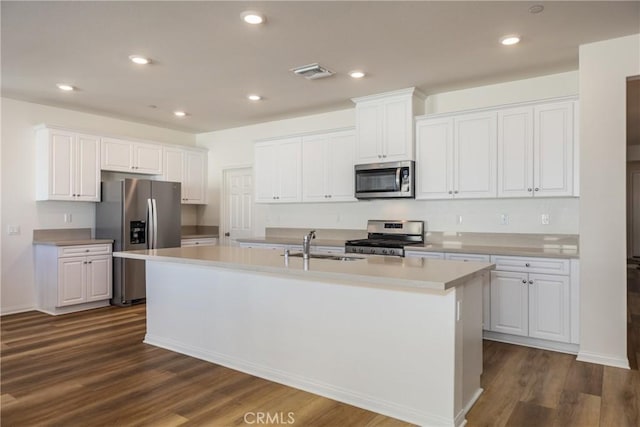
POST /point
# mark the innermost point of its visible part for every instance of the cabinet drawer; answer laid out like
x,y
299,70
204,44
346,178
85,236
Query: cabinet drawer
x,y
64,251
421,254
531,265
467,257
199,242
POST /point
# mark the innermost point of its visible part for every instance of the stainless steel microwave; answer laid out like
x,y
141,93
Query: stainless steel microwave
x,y
385,180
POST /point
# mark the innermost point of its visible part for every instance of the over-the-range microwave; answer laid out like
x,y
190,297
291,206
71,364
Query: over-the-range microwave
x,y
385,180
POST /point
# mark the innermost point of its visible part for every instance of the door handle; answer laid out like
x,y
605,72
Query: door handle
x,y
149,225
155,224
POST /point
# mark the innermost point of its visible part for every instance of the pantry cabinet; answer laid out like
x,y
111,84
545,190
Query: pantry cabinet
x,y
188,167
327,167
384,126
120,155
278,170
68,165
456,156
536,150
73,278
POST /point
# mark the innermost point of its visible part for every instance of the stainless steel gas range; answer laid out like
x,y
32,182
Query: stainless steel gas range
x,y
387,238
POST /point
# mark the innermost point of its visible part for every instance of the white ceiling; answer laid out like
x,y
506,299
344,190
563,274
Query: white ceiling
x,y
206,60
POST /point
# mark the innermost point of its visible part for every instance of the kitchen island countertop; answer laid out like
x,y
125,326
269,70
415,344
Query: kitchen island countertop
x,y
414,273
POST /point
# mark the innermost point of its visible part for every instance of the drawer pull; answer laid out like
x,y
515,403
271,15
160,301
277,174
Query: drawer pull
x,y
527,265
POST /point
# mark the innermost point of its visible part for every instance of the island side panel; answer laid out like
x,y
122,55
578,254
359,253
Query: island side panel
x,y
390,351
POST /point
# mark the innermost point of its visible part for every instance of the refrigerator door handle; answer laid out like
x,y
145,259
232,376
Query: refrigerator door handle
x,y
155,224
149,227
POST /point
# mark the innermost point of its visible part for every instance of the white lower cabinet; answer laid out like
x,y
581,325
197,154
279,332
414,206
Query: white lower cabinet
x,y
73,278
533,304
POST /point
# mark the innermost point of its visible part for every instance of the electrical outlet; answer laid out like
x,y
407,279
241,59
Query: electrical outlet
x,y
458,219
504,219
544,219
13,230
68,218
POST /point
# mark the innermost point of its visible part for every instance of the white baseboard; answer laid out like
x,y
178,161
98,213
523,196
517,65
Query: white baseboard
x,y
347,396
616,362
4,311
531,342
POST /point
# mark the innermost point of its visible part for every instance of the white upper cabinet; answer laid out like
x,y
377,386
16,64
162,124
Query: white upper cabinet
x,y
535,150
434,160
128,156
456,157
553,149
278,170
474,155
384,126
189,168
327,167
68,165
515,152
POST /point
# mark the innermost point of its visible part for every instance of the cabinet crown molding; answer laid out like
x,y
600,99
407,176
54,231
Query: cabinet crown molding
x,y
303,134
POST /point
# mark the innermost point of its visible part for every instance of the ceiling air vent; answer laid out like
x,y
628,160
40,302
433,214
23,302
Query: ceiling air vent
x,y
312,71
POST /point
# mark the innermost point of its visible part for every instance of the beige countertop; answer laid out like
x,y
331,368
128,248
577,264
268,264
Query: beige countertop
x,y
66,237
414,273
72,242
544,252
516,244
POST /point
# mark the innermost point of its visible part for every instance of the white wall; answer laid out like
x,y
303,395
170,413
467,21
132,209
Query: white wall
x,y
233,147
604,67
18,206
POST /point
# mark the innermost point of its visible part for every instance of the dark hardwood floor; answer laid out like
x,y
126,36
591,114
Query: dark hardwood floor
x,y
92,369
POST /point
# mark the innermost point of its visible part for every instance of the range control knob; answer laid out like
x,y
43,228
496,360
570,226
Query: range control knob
x,y
373,251
392,252
361,250
384,251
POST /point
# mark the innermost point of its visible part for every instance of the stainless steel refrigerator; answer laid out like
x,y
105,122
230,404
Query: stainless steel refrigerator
x,y
137,214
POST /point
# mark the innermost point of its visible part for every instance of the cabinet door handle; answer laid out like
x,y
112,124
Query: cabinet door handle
x,y
529,190
384,156
531,282
527,265
536,189
455,192
89,262
524,281
450,192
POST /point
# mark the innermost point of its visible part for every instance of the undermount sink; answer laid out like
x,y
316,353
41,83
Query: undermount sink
x,y
327,256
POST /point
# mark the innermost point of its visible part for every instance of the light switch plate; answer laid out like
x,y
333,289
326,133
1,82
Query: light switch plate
x,y
504,219
13,230
544,219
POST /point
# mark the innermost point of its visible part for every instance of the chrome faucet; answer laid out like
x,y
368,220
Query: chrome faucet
x,y
306,243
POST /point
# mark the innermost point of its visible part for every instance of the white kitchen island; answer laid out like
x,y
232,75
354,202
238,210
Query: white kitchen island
x,y
398,336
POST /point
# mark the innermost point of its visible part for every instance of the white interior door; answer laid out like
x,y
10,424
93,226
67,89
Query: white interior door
x,y
237,204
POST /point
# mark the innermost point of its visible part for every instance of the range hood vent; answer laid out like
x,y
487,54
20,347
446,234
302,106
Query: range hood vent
x,y
312,71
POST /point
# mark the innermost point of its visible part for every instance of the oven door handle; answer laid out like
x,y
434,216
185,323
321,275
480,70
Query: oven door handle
x,y
398,179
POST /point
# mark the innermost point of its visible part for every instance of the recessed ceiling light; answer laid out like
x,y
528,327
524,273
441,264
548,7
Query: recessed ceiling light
x,y
180,113
536,8
510,40
140,60
357,74
65,87
254,97
252,17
